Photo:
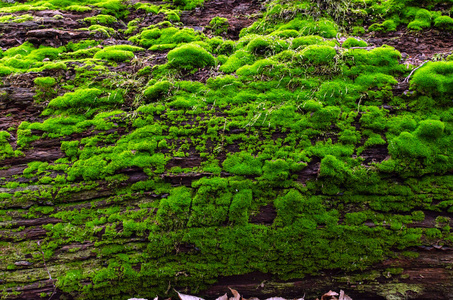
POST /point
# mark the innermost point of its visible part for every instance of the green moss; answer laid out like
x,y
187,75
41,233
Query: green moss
x,y
115,55
430,129
101,19
103,30
45,82
386,26
317,54
434,79
158,90
78,8
243,164
81,97
82,53
266,46
352,42
174,211
237,60
219,25
190,56
188,4
422,20
444,22
148,7
303,41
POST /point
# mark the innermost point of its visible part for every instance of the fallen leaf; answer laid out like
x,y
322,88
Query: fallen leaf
x,y
187,297
224,297
236,295
329,295
343,296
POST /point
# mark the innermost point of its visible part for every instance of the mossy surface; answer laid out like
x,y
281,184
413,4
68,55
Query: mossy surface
x,y
167,149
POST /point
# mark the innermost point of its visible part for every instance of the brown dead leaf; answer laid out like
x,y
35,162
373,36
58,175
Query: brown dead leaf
x,y
343,296
187,297
330,295
236,295
224,297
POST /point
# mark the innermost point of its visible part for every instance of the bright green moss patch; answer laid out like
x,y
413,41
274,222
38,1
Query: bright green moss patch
x,y
115,55
243,164
422,20
317,54
164,165
79,98
237,60
168,35
352,42
158,90
103,30
219,25
435,78
190,56
444,22
430,129
386,26
45,82
79,8
101,19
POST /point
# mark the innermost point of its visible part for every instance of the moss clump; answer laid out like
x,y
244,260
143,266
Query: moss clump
x,y
444,22
289,207
317,54
79,8
266,46
237,60
166,36
101,19
243,164
79,98
124,48
430,129
352,42
422,20
45,82
82,53
102,30
188,4
158,90
174,212
219,25
115,55
386,26
190,56
435,78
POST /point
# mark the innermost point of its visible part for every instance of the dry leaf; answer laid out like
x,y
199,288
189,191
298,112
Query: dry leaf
x,y
187,297
224,297
343,296
236,295
329,295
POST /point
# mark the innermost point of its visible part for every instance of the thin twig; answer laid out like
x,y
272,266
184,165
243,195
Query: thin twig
x,y
406,80
48,272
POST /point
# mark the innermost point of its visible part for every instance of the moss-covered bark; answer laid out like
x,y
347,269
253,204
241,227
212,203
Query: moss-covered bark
x,y
289,158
